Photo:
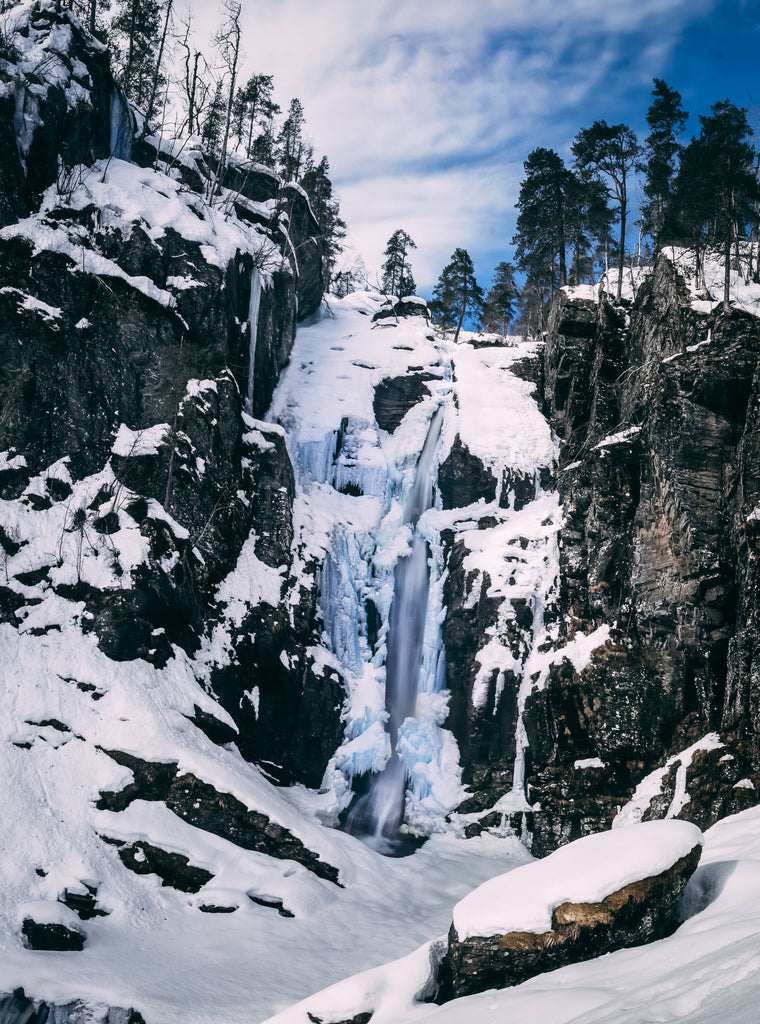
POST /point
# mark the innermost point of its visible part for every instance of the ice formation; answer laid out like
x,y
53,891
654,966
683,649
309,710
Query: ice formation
x,y
379,812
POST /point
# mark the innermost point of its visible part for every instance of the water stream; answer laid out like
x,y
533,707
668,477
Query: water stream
x,y
377,815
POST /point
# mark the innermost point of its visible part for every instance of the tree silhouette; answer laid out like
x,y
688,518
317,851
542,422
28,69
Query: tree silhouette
x,y
501,301
666,119
456,293
610,150
397,272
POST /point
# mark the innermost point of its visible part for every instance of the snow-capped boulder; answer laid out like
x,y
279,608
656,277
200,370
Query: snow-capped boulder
x,y
50,925
598,894
409,305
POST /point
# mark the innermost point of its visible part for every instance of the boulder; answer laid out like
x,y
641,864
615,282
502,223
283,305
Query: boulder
x,y
601,893
49,925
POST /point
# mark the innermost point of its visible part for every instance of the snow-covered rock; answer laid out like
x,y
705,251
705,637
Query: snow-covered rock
x,y
600,893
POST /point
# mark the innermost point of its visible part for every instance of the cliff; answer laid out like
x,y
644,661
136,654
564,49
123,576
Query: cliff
x,y
203,515
655,407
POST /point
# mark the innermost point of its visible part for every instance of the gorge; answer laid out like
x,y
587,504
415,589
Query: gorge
x,y
278,567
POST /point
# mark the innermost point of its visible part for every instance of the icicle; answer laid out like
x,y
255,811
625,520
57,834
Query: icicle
x,y
253,327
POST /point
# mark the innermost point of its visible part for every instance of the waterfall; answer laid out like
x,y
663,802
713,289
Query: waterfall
x,y
253,327
378,814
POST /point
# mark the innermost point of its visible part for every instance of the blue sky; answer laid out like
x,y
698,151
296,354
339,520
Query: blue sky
x,y
426,109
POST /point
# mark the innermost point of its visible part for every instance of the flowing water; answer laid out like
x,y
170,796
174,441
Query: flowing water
x,y
377,815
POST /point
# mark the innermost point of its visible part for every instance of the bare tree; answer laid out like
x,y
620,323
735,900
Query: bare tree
x,y
157,72
194,85
227,42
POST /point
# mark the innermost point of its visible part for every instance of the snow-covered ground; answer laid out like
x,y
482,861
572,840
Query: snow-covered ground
x,y
707,971
65,704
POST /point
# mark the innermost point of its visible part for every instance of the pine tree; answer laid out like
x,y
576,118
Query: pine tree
x,y
716,187
666,119
589,227
326,209
541,236
292,148
213,122
263,148
136,26
610,150
456,293
251,110
397,271
501,301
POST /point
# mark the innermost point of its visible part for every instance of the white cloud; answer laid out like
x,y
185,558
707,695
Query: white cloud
x,y
427,108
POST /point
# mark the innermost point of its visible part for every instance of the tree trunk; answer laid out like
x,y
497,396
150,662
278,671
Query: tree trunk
x,y
621,254
157,71
727,274
461,317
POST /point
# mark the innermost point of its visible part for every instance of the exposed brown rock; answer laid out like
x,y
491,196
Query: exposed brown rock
x,y
636,914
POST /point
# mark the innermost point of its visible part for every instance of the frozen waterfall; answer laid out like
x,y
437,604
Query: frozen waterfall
x,y
377,814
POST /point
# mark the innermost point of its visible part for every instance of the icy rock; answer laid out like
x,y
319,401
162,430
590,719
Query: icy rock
x,y
395,396
52,926
463,479
601,893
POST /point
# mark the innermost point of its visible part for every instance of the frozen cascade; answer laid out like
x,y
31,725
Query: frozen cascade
x,y
377,815
253,326
121,127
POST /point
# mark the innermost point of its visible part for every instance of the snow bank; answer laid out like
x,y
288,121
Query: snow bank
x,y
585,871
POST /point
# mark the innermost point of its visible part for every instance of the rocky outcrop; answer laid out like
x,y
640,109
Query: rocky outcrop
x,y
395,396
126,345
656,410
17,1008
204,807
635,913
57,84
485,728
463,479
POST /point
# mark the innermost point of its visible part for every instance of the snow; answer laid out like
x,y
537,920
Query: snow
x,y
156,950
621,437
130,443
708,970
651,785
586,871
251,583
589,762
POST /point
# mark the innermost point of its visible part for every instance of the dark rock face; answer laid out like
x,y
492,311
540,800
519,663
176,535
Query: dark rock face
x,y
307,244
174,869
204,807
634,915
463,479
395,396
17,1008
484,731
392,310
657,491
52,937
78,132
84,353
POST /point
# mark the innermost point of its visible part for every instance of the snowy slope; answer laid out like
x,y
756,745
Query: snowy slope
x,y
708,970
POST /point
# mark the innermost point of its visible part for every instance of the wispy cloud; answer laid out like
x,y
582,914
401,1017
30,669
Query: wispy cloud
x,y
427,108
